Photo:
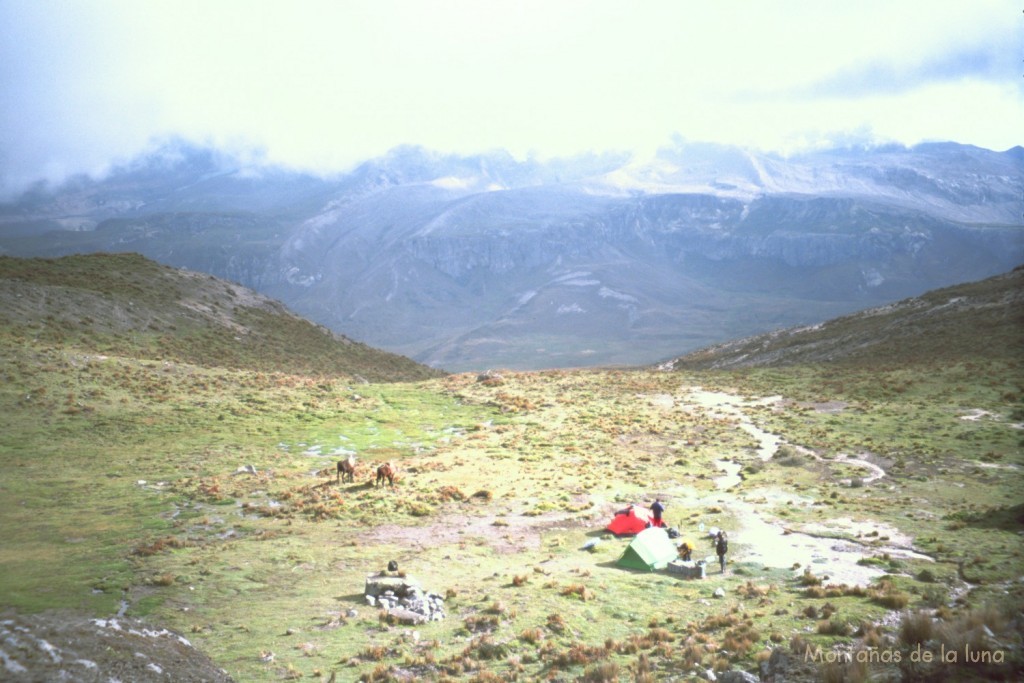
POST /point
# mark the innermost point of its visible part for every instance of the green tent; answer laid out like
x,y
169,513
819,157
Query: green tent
x,y
651,549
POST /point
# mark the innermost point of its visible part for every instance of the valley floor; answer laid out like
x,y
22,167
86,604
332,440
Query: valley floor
x,y
208,504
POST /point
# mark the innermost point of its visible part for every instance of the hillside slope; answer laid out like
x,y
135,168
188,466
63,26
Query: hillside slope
x,y
982,319
125,304
466,263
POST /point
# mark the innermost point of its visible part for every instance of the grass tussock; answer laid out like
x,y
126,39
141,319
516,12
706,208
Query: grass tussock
x,y
578,590
979,643
888,595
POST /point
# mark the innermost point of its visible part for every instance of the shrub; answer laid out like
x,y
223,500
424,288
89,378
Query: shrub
x,y
916,628
486,648
752,590
579,655
603,672
853,670
531,635
788,457
934,596
834,627
579,590
164,580
660,635
374,653
500,608
418,509
887,595
556,623
642,670
809,578
475,623
446,493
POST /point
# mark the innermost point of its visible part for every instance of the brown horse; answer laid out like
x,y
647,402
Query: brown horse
x,y
347,469
386,471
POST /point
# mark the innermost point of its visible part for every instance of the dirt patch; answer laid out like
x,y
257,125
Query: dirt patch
x,y
825,406
505,534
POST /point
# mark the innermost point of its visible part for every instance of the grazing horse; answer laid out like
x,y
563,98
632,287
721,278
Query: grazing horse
x,y
386,471
347,469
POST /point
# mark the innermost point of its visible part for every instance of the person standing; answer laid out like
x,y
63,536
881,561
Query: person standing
x,y
658,509
721,547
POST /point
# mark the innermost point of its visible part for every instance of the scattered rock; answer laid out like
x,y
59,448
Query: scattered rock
x,y
719,592
688,568
407,616
775,667
66,646
490,377
737,676
400,595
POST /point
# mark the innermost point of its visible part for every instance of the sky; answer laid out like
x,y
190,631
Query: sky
x,y
324,84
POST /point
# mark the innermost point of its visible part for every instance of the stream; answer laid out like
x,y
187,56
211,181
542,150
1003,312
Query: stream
x,y
770,543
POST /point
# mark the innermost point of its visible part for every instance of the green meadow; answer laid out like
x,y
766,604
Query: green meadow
x,y
204,499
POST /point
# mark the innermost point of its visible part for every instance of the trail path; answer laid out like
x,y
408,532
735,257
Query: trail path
x,y
771,543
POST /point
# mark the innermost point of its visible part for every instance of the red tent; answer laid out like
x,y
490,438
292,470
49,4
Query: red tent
x,y
628,523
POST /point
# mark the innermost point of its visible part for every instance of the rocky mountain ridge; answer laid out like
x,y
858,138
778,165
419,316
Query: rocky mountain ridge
x,y
488,261
982,319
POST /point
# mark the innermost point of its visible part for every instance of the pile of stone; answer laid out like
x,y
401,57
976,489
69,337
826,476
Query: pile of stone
x,y
403,598
688,569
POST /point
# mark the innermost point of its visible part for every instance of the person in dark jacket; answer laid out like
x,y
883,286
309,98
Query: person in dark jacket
x,y
721,547
657,510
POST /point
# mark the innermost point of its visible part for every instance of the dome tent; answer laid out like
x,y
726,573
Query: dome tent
x,y
628,522
651,549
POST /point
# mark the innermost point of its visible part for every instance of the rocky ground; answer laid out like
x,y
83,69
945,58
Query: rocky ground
x,y
64,646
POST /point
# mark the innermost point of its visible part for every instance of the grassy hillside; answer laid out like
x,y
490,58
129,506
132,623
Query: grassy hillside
x,y
201,497
972,320
127,305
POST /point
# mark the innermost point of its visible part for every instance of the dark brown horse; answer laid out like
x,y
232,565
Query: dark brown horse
x,y
347,469
386,471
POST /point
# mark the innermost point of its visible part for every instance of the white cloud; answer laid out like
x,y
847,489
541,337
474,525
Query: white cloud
x,y
324,84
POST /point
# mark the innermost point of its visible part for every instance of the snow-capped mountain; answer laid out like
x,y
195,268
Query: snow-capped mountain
x,y
488,261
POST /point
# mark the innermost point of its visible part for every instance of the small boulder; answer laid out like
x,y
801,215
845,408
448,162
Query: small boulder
x,y
407,616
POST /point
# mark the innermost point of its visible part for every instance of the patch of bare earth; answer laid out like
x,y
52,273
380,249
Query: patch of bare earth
x,y
505,534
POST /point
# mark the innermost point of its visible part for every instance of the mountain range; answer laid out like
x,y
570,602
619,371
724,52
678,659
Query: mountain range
x,y
470,262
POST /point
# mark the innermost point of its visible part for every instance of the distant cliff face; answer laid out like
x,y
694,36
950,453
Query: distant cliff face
x,y
478,262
